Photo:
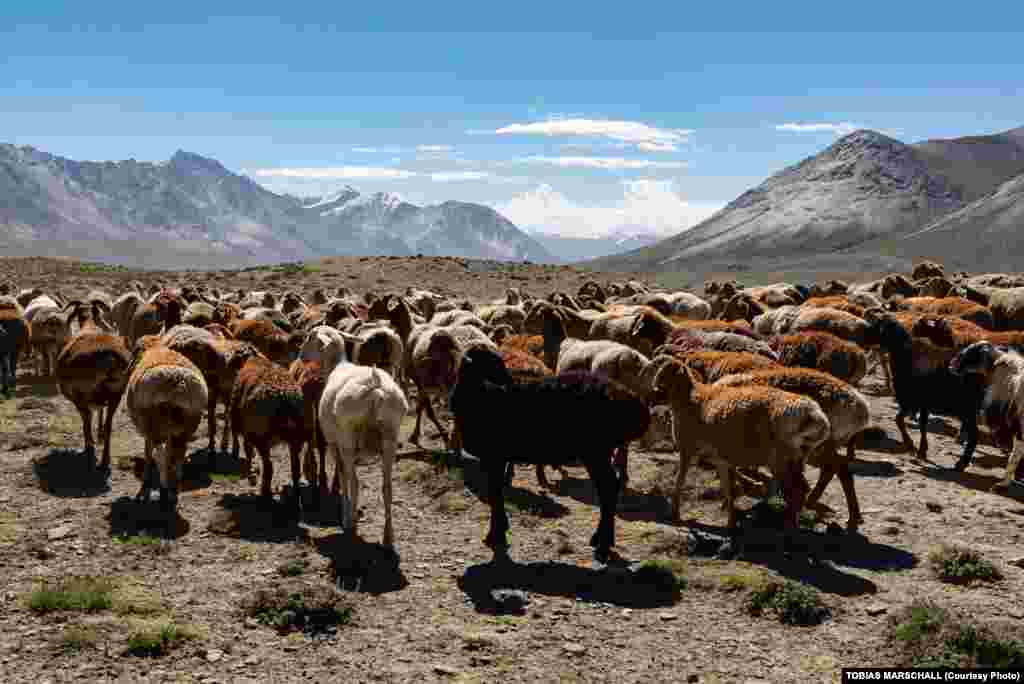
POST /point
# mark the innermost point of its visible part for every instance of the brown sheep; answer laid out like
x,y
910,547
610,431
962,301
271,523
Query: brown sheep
x,y
308,374
277,345
824,352
165,398
15,334
267,409
163,313
92,371
712,366
927,269
948,306
834,302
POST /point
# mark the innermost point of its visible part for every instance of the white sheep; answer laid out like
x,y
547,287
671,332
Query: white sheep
x,y
360,412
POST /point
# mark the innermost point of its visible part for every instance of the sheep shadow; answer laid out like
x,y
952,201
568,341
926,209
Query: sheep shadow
x,y
879,440
129,518
816,558
864,468
973,480
194,475
475,480
632,504
615,586
362,566
65,473
251,517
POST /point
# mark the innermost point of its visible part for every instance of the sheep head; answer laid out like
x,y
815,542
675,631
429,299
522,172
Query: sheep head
x,y
325,345
673,379
979,357
650,328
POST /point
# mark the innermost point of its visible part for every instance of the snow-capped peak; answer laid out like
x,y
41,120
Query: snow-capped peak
x,y
343,195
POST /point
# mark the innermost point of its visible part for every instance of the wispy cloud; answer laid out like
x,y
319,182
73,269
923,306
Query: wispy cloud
x,y
837,128
646,205
449,176
376,150
434,148
642,135
333,172
604,163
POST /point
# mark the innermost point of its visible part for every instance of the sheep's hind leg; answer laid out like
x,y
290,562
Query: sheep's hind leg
x,y
1011,466
684,465
388,449
437,424
901,424
295,451
108,427
497,534
970,426
147,473
607,486
90,447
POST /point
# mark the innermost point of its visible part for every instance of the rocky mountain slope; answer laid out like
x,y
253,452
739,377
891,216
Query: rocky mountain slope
x,y
987,234
864,186
975,164
191,211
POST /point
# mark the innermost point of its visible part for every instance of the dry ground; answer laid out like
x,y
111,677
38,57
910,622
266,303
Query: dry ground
x,y
417,619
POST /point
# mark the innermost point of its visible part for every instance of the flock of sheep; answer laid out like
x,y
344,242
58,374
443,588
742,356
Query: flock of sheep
x,y
759,376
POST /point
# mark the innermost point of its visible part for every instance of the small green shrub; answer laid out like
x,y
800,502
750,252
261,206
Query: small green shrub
x,y
293,568
141,539
225,477
76,638
82,594
959,565
927,635
794,603
665,575
306,609
808,519
156,641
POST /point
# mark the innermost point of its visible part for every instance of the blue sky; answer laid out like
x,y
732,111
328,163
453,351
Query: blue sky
x,y
580,118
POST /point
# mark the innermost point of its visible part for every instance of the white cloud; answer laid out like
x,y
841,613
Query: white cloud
x,y
646,137
433,148
837,128
445,176
376,150
333,172
647,205
604,163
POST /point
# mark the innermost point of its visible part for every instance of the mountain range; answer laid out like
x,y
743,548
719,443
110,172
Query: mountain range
x,y
867,202
191,211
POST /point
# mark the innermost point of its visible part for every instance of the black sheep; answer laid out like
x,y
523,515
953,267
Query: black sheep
x,y
923,384
574,415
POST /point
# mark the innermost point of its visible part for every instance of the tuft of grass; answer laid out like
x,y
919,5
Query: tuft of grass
x,y
293,568
739,581
225,477
808,519
77,638
776,504
158,640
961,565
792,602
665,575
309,609
927,635
140,539
81,594
100,268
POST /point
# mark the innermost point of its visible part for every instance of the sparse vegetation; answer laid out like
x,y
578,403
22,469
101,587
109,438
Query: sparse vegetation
x,y
79,594
959,565
808,519
76,638
293,568
101,268
225,477
665,575
792,602
927,635
140,539
308,609
158,640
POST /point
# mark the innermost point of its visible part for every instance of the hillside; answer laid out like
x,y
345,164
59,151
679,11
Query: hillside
x,y
984,235
866,185
976,164
192,211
